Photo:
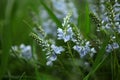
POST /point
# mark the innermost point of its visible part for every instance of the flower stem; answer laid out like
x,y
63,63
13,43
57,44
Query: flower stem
x,y
69,49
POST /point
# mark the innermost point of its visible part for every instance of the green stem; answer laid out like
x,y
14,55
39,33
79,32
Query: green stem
x,y
69,49
113,65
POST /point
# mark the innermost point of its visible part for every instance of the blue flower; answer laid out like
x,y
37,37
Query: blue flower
x,y
111,47
53,57
65,35
50,59
26,51
60,33
115,45
49,63
56,49
81,50
84,50
77,48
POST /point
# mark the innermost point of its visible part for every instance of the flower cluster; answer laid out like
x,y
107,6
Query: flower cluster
x,y
111,47
110,15
49,47
24,51
65,33
108,22
68,34
84,50
52,56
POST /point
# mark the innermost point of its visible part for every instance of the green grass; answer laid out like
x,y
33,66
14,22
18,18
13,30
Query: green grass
x,y
6,38
15,25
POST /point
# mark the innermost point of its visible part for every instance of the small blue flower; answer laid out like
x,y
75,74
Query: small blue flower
x,y
115,45
84,50
56,49
50,59
81,50
109,48
25,51
52,54
53,57
66,35
49,63
77,48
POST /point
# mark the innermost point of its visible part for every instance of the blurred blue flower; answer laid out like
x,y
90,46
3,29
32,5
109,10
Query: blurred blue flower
x,y
84,50
26,51
108,48
49,63
115,45
111,47
50,59
52,55
65,35
81,50
56,49
60,33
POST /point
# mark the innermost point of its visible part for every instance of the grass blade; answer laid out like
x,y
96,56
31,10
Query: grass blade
x,y
51,14
99,60
6,38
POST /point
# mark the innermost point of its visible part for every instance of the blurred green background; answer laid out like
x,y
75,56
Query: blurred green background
x,y
17,21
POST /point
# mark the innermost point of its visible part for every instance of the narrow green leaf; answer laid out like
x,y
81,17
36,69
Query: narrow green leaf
x,y
87,27
83,18
98,61
51,14
6,37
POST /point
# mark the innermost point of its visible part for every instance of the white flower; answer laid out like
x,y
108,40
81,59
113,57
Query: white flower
x,y
87,43
22,46
93,50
